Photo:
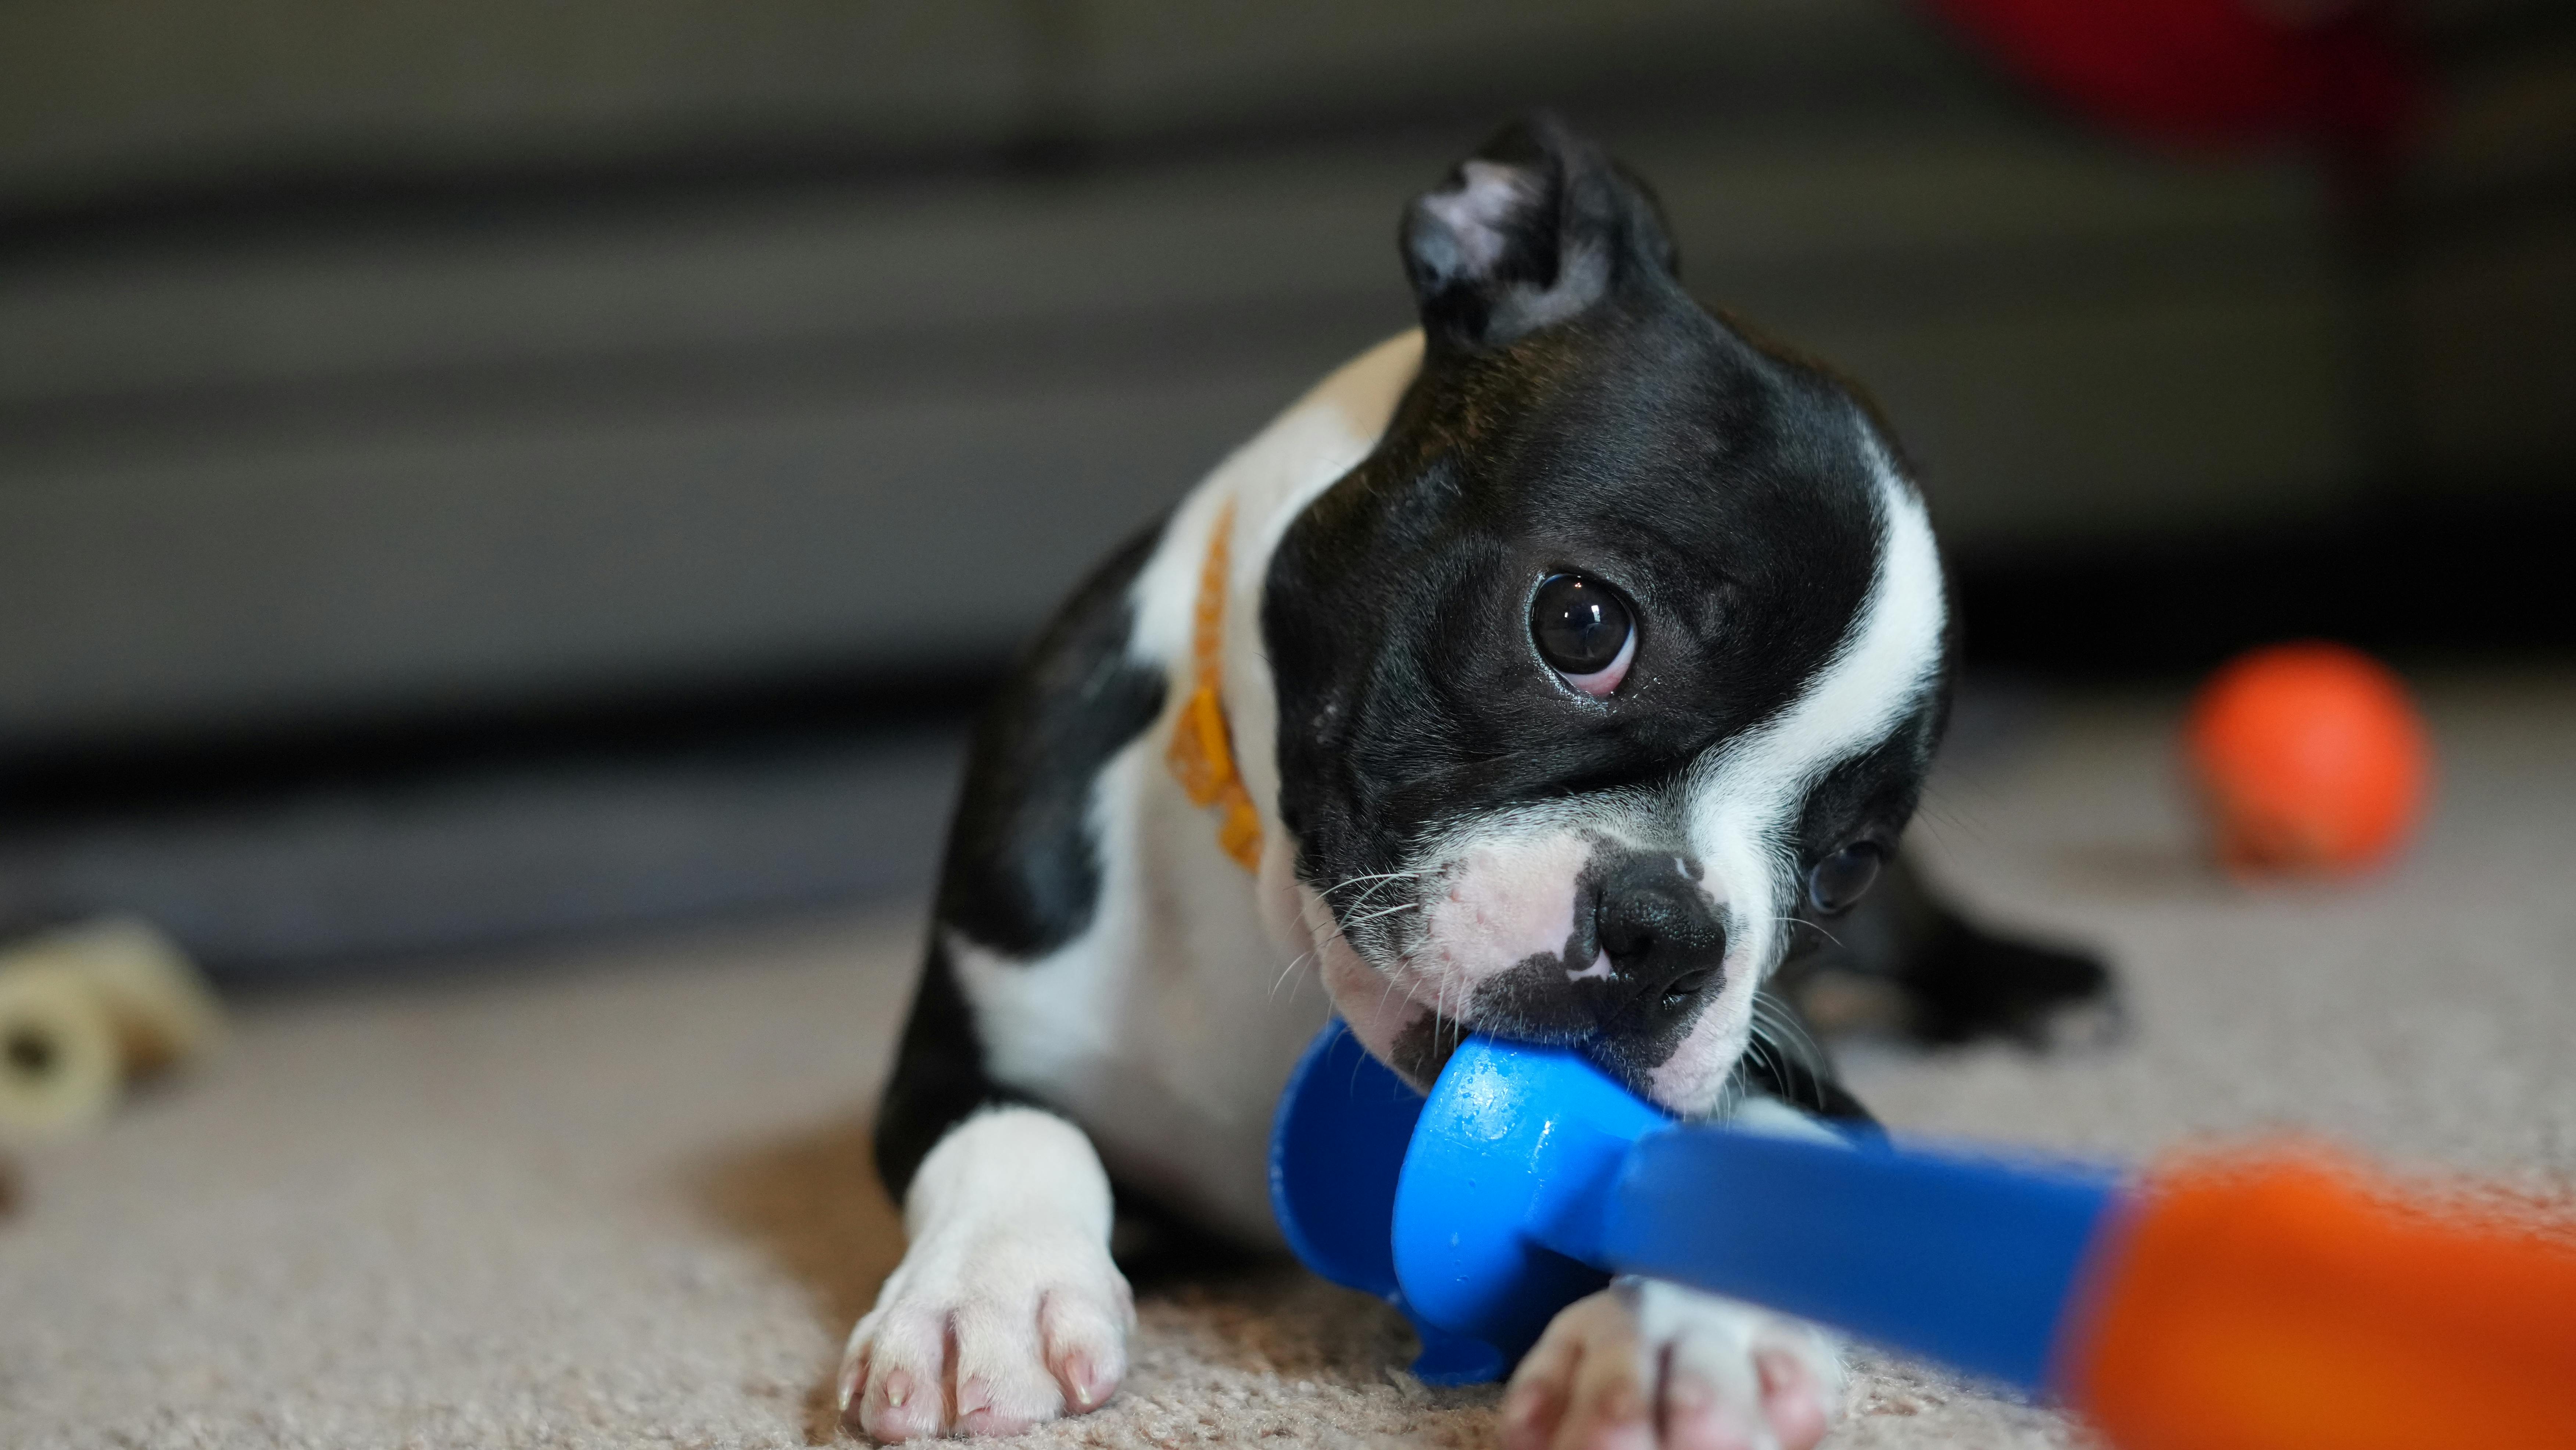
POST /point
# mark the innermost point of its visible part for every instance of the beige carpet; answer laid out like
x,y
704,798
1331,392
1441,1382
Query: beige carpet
x,y
618,1197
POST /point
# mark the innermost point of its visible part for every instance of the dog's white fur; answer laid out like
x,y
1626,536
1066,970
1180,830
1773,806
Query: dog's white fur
x,y
1008,1260
1169,1025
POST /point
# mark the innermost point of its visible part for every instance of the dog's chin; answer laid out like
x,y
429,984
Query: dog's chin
x,y
1425,1046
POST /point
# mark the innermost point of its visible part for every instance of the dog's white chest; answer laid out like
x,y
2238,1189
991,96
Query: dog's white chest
x,y
1168,1027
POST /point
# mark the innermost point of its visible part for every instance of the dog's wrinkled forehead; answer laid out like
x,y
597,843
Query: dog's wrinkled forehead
x,y
1577,413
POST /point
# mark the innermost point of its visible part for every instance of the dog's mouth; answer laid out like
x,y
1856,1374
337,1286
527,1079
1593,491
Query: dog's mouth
x,y
1414,995
1390,1008
1423,1048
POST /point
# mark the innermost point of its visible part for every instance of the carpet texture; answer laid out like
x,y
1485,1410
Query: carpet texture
x,y
619,1197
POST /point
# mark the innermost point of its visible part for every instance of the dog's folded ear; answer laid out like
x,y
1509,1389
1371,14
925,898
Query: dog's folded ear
x,y
1534,228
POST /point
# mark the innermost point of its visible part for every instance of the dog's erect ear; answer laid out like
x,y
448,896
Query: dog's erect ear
x,y
1535,227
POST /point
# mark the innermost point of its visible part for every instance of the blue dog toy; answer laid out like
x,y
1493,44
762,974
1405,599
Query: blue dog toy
x,y
1528,1177
2272,1299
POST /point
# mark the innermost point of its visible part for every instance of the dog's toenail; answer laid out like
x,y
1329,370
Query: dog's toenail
x,y
1688,1395
1084,1376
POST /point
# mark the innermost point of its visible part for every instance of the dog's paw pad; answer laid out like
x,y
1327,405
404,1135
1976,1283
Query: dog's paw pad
x,y
984,1350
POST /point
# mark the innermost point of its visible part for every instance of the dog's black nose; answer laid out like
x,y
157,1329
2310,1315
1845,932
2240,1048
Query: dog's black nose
x,y
1661,933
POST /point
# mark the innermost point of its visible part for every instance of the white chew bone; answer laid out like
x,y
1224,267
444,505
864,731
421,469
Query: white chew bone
x,y
58,1056
86,1007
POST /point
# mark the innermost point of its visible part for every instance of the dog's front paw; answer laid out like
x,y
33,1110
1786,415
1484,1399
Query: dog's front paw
x,y
1645,1364
988,1334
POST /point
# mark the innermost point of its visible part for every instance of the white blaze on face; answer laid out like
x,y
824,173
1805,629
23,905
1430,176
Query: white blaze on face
x,y
1744,795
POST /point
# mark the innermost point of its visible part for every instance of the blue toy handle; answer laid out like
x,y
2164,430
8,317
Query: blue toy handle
x,y
1971,1262
1528,1177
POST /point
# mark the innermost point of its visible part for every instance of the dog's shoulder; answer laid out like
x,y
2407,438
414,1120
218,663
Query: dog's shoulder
x,y
1021,876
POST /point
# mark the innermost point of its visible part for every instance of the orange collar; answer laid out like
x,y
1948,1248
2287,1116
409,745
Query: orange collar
x,y
1202,750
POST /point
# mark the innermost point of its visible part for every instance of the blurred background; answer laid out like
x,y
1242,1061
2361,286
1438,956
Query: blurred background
x,y
476,471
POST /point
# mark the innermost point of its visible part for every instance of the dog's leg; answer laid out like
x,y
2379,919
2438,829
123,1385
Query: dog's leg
x,y
1644,1364
1006,1310
1906,962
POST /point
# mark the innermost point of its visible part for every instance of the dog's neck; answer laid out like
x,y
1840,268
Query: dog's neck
x,y
1207,582
1201,753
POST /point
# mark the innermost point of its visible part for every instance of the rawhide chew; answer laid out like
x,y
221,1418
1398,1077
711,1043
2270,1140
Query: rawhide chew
x,y
162,1010
59,1072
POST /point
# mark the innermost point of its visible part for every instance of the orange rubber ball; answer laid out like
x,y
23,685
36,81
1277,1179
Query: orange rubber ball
x,y
2311,759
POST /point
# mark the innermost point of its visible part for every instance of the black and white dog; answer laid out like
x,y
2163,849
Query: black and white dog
x,y
1550,671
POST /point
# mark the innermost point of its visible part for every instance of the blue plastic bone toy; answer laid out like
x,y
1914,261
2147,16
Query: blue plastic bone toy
x,y
1527,1177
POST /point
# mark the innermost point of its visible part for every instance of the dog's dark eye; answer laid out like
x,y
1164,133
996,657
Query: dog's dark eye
x,y
1842,878
1583,632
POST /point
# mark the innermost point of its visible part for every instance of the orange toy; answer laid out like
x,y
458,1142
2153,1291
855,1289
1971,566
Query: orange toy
x,y
2288,1300
2310,757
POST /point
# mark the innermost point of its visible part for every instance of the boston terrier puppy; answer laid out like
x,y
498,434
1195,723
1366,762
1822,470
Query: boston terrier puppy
x,y
1551,671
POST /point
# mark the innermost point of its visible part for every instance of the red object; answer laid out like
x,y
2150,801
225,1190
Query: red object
x,y
2310,757
2213,73
2293,1301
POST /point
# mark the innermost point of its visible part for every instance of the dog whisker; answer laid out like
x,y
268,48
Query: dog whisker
x,y
1771,1011
1401,906
1803,921
1369,876
1374,881
1783,1037
1294,963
